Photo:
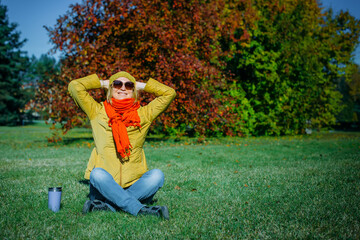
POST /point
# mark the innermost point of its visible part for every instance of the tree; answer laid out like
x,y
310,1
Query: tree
x,y
13,65
239,67
354,85
175,42
40,71
350,90
354,91
286,77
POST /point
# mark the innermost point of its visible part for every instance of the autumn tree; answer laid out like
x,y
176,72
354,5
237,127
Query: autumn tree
x,y
13,64
175,42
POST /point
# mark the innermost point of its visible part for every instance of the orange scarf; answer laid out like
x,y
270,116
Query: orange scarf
x,y
122,114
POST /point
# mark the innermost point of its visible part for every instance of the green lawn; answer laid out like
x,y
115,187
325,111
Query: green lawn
x,y
231,188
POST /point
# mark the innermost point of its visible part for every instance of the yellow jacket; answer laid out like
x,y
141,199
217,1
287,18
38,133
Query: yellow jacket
x,y
124,171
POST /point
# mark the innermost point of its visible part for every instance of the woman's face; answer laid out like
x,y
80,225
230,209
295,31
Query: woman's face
x,y
122,88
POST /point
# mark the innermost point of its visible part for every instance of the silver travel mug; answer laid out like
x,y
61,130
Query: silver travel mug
x,y
54,200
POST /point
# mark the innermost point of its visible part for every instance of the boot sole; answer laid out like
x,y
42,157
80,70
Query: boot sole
x,y
165,212
86,207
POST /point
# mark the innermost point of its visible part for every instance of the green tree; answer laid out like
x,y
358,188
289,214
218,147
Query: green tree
x,y
42,69
13,65
40,72
286,77
354,90
350,90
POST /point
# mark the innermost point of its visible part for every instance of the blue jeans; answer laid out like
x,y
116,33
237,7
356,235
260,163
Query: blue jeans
x,y
103,187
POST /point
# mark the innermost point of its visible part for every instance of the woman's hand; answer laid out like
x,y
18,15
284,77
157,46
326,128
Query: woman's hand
x,y
140,85
104,84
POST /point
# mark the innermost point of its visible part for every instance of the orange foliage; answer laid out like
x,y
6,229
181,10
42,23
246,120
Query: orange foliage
x,y
176,42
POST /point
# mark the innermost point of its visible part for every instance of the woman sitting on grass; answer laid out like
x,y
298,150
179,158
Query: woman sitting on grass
x,y
117,169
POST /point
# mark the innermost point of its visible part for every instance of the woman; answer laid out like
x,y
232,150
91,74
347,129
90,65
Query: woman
x,y
117,169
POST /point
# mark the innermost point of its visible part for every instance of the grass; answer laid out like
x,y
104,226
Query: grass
x,y
230,188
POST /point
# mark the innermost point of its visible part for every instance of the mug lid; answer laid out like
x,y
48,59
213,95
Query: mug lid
x,y
55,189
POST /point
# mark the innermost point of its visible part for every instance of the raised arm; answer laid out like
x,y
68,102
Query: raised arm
x,y
164,96
78,90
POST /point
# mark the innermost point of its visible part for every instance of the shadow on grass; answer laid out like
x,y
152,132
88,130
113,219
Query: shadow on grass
x,y
84,182
75,140
157,139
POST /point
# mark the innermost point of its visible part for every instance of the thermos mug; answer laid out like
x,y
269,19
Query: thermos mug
x,y
54,200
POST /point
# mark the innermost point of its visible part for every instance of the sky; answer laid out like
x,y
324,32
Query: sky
x,y
32,15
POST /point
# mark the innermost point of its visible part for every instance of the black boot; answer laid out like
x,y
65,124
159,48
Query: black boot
x,y
159,211
94,205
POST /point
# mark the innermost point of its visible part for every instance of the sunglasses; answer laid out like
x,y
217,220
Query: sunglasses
x,y
119,84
